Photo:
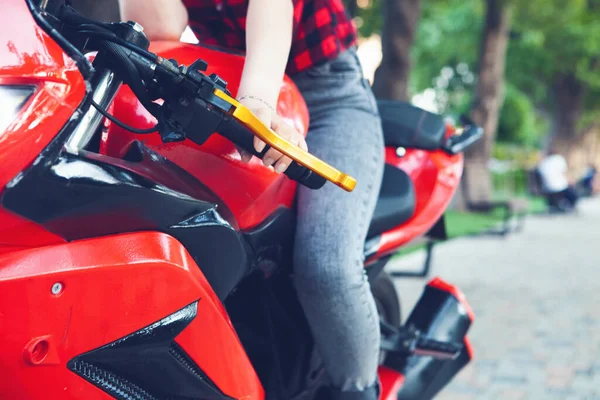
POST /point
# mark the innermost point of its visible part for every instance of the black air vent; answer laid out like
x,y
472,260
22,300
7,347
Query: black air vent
x,y
148,364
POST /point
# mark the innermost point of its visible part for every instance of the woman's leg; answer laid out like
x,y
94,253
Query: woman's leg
x,y
332,286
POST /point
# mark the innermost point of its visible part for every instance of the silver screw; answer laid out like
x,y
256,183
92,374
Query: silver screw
x,y
137,27
400,151
57,288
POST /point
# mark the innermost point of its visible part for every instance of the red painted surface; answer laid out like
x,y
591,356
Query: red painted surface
x,y
469,347
440,284
391,382
436,176
107,295
252,192
9,249
29,57
20,232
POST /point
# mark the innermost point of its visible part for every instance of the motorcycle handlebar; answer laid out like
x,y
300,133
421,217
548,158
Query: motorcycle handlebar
x,y
238,123
194,104
244,138
471,134
309,169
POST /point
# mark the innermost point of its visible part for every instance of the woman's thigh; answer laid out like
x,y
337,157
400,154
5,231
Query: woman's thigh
x,y
345,131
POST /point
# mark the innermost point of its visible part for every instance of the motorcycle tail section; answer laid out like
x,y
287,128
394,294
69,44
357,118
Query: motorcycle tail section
x,y
442,318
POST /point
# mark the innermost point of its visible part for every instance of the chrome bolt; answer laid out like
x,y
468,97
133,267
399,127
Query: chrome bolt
x,y
57,288
400,151
136,27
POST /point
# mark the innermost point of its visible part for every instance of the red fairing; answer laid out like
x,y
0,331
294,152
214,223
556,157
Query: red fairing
x,y
252,192
469,347
440,284
391,382
18,233
111,287
29,57
436,176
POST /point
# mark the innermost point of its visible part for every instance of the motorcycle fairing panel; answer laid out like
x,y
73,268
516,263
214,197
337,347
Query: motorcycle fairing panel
x,y
165,349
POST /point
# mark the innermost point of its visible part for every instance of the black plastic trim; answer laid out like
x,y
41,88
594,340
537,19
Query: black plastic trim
x,y
375,269
273,329
148,364
438,315
117,387
272,241
396,201
438,231
90,195
405,125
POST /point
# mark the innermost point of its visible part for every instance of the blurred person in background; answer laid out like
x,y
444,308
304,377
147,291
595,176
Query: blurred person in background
x,y
555,183
588,182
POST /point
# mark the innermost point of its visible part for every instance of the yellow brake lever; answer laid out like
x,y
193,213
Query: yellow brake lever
x,y
250,121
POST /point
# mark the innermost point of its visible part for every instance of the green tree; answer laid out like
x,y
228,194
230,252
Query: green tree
x,y
519,123
555,58
396,21
448,36
368,16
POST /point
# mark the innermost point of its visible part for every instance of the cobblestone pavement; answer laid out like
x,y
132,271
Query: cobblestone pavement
x,y
536,297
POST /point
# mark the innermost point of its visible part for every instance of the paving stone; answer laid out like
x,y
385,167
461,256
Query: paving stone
x,y
513,380
535,295
584,385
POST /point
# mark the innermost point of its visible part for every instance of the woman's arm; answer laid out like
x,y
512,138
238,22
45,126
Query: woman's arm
x,y
161,19
269,25
268,40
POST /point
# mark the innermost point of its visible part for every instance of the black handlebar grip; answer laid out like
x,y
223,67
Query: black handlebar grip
x,y
458,144
243,138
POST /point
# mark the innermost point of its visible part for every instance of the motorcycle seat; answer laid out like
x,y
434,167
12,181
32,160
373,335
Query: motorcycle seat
x,y
405,125
396,203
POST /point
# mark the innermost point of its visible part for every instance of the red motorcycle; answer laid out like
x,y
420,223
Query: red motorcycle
x,y
141,259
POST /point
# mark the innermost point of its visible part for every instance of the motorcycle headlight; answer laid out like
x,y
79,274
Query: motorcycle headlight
x,y
12,99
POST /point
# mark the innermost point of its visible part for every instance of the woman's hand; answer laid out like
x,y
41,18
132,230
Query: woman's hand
x,y
282,128
286,131
269,26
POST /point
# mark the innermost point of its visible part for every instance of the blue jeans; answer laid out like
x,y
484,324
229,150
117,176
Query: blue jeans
x,y
345,131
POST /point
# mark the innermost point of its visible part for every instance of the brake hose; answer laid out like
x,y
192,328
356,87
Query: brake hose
x,y
83,64
130,74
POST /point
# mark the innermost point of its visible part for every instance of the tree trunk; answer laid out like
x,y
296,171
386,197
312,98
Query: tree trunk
x,y
400,22
352,8
102,10
567,139
569,94
489,96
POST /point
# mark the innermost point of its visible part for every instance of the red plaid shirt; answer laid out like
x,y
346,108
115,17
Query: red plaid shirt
x,y
322,29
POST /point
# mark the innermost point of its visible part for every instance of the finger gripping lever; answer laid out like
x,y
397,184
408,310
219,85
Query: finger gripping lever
x,y
305,159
